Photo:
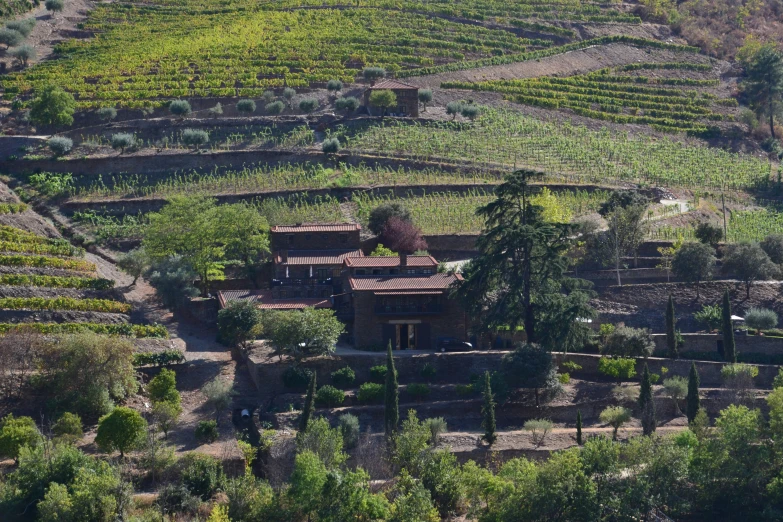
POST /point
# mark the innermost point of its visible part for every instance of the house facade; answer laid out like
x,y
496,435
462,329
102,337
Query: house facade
x,y
407,98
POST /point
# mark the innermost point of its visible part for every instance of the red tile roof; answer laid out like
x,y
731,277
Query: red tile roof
x,y
316,227
390,261
397,283
393,84
264,300
317,257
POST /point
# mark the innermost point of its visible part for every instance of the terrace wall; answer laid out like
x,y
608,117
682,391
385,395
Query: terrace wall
x,y
708,343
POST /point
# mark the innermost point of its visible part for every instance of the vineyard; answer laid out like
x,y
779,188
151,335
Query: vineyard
x,y
142,54
607,95
741,225
566,152
130,330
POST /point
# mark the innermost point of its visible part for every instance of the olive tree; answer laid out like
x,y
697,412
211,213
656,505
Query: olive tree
x,y
773,246
195,137
383,99
308,333
10,37
694,262
23,54
749,263
629,342
425,97
180,108
122,141
347,104
60,145
246,106
761,319
52,106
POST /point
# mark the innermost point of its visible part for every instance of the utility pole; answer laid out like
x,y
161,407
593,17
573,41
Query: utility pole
x,y
725,229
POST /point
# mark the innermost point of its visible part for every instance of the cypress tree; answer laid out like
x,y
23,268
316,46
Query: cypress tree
x,y
671,338
392,397
692,407
729,347
488,410
647,403
579,427
304,420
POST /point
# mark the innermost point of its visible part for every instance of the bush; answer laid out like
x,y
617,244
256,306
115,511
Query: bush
x,y
629,342
173,281
437,427
275,107
348,104
469,111
425,97
54,5
246,106
454,108
16,432
370,392
122,430
60,145
180,108
619,368
761,319
615,416
773,246
710,316
288,94
239,323
106,113
708,233
329,396
330,146
418,390
163,387
373,73
194,137
10,37
570,366
23,54
428,372
52,106
122,141
308,105
344,377
24,27
296,377
378,373
334,85
349,428
175,498
68,427
207,432
539,429
564,378
268,96
201,474
217,110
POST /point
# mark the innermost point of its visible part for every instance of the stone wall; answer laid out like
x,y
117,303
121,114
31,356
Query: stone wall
x,y
706,343
315,241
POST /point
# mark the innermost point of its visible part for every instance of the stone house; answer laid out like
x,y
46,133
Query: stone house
x,y
407,98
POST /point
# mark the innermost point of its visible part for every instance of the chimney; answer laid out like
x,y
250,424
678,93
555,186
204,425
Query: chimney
x,y
403,259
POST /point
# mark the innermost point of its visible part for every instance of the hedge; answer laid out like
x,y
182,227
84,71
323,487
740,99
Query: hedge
x,y
131,330
47,262
56,281
64,303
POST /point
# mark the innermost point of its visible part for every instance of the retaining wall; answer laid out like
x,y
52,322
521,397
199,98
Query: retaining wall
x,y
707,343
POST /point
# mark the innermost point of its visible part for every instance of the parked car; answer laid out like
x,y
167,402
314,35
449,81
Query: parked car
x,y
450,344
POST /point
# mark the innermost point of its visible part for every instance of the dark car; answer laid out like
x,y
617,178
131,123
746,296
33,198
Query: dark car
x,y
450,344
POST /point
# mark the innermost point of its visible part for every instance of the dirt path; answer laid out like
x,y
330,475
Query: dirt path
x,y
53,28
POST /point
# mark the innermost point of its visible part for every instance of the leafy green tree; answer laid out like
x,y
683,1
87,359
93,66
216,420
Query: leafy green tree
x,y
749,263
761,319
288,95
677,388
382,213
219,394
56,505
727,327
122,141
773,246
275,107
68,427
521,259
647,403
347,103
693,401
708,234
694,262
764,83
239,323
562,491
626,341
204,233
163,387
425,97
180,108
382,251
440,474
671,336
122,430
383,99
309,405
308,105
615,416
307,483
624,211
52,106
246,106
134,263
347,496
323,441
54,5
165,415
530,366
488,411
23,54
412,501
709,316
16,432
453,108
173,279
202,474
308,333
10,37
331,146
412,441
391,416
373,73
579,427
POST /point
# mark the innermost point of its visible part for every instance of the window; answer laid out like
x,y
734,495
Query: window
x,y
343,238
427,271
394,271
359,271
377,271
410,271
336,272
322,273
290,239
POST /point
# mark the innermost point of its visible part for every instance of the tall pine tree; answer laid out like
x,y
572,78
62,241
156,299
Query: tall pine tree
x,y
693,403
671,337
488,410
579,427
304,420
392,396
729,346
647,403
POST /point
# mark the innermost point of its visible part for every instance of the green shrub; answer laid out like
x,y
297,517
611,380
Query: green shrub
x,y
373,73
571,366
469,111
201,474
163,387
296,377
349,428
54,5
330,146
60,145
194,137
428,372
122,141
106,113
308,105
163,358
370,392
246,106
418,390
437,426
68,427
347,103
275,107
709,316
334,85
378,373
207,432
344,377
23,27
463,390
564,378
180,108
329,396
619,368
654,378
16,432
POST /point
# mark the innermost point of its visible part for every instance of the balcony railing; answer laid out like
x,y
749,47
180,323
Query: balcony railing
x,y
408,309
305,282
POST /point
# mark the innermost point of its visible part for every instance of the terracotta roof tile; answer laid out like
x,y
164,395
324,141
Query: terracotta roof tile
x,y
317,257
402,283
316,227
390,261
264,300
393,84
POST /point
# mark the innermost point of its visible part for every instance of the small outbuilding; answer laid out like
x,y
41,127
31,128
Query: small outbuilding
x,y
407,98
